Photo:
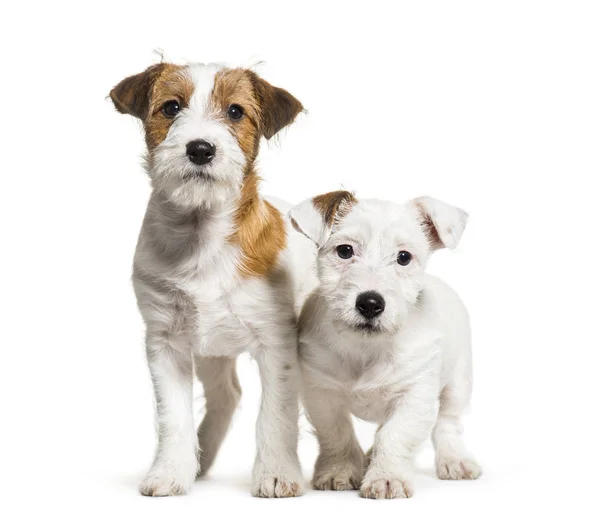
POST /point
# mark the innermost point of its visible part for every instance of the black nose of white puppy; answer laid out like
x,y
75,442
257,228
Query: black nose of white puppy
x,y
200,152
370,304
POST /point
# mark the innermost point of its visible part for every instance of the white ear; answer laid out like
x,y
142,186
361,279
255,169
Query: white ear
x,y
307,220
443,223
316,217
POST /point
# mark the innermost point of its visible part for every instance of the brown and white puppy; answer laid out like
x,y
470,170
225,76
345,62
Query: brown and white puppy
x,y
212,272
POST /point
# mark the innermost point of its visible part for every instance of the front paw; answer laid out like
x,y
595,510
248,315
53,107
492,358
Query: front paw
x,y
381,486
342,476
457,468
167,481
276,485
163,486
276,481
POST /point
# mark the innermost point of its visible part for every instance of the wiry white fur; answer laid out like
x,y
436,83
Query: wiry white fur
x,y
201,313
411,368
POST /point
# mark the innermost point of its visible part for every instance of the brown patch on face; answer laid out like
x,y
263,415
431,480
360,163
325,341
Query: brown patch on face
x,y
143,96
233,87
173,84
267,109
334,205
259,227
260,230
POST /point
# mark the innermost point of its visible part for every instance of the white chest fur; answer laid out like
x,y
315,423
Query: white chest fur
x,y
188,281
371,374
220,326
234,313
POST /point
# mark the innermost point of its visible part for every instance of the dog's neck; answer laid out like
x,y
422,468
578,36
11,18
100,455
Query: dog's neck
x,y
247,221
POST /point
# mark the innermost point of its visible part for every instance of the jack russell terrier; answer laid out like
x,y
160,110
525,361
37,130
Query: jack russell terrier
x,y
213,273
384,341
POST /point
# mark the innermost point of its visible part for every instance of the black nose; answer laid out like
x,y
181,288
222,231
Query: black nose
x,y
370,304
200,152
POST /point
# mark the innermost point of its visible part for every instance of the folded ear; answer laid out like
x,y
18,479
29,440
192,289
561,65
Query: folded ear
x,y
442,223
132,95
278,107
316,217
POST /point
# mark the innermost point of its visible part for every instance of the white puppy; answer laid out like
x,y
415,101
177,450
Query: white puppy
x,y
382,340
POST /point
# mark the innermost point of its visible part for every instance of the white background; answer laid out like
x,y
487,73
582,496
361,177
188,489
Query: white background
x,y
492,106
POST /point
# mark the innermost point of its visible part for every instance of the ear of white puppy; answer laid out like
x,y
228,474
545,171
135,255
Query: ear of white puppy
x,y
316,217
442,223
307,220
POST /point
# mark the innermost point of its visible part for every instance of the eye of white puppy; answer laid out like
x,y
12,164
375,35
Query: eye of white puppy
x,y
404,257
345,251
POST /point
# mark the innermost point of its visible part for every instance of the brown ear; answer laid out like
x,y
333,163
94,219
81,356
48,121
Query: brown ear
x,y
278,107
315,217
334,205
132,95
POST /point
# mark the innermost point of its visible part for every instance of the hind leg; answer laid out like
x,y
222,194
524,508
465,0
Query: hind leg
x,y
452,459
341,463
222,392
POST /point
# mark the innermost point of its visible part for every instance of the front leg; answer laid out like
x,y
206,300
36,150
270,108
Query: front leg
x,y
411,417
175,463
277,469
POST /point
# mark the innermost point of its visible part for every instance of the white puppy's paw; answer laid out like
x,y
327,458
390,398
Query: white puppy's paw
x,y
338,476
385,487
457,468
275,485
167,481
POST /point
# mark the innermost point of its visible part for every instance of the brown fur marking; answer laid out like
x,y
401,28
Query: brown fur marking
x,y
429,228
259,227
334,205
233,86
278,107
143,96
174,83
132,95
260,230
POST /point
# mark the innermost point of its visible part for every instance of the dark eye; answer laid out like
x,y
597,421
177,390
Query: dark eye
x,y
345,251
235,112
404,257
171,108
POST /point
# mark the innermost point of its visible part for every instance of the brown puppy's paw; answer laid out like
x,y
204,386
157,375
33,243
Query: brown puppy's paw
x,y
276,486
162,486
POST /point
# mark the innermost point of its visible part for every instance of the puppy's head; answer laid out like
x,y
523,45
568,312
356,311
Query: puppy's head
x,y
203,125
372,254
